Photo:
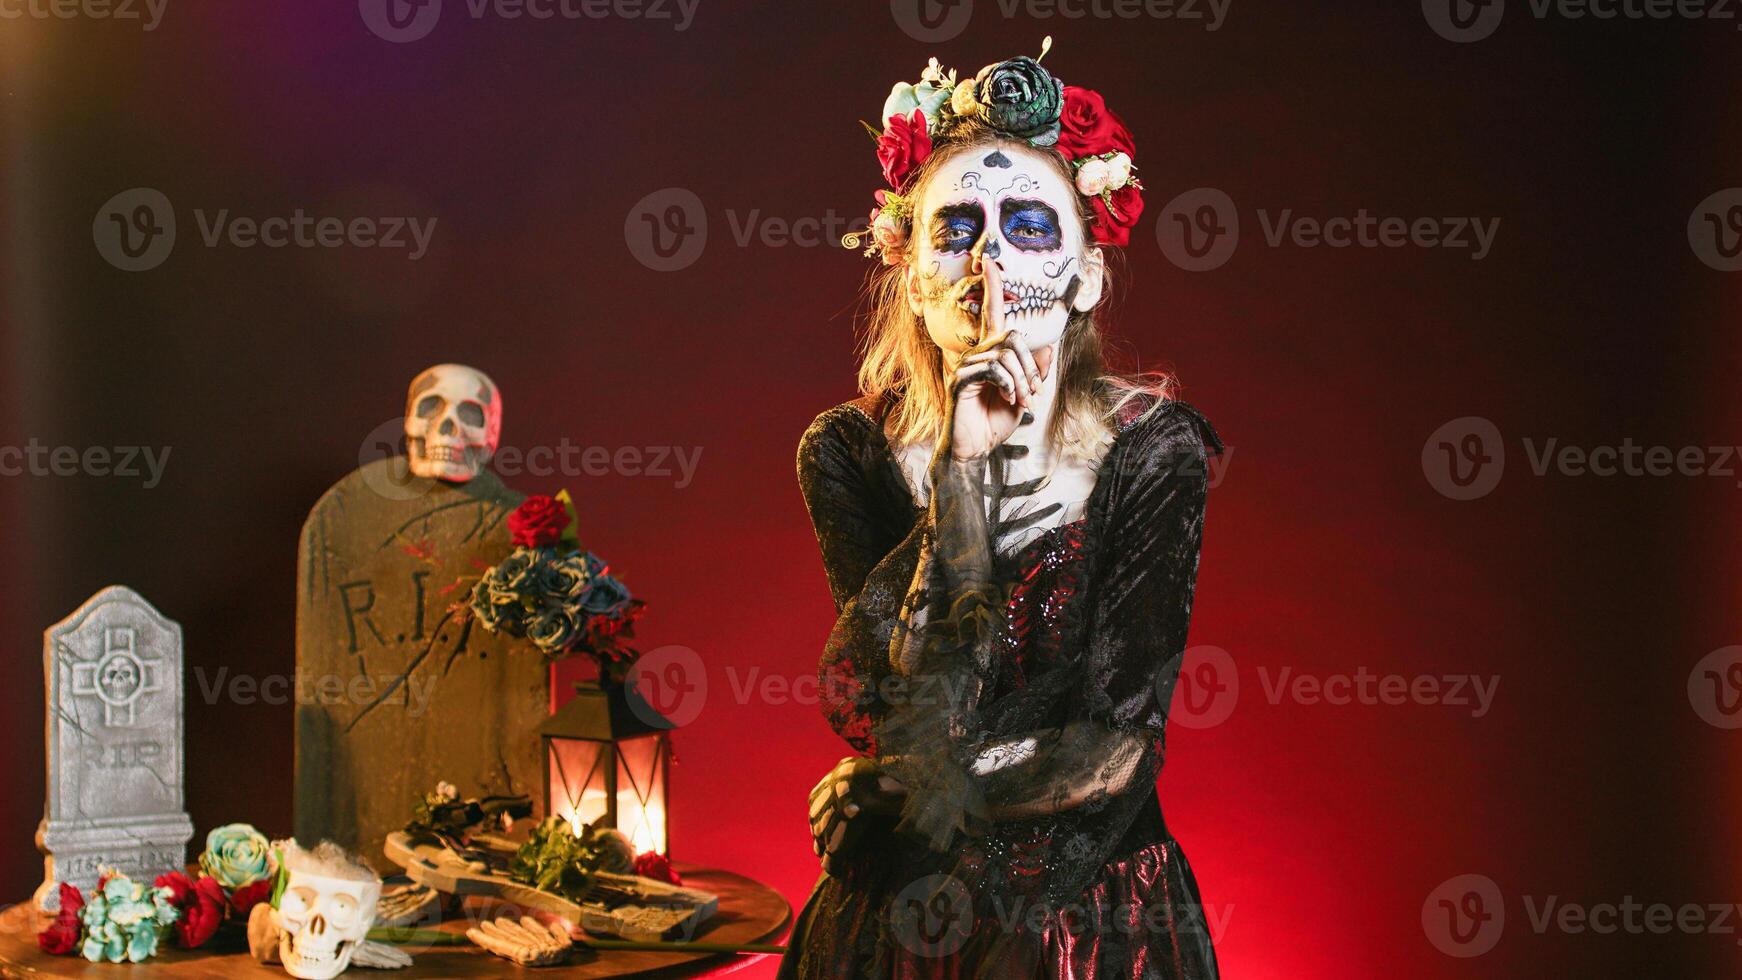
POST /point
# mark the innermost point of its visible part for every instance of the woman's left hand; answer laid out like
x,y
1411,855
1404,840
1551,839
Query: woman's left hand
x,y
857,785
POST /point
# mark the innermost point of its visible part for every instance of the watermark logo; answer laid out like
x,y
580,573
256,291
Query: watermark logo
x,y
149,13
1465,458
564,458
36,458
1463,21
667,230
936,21
1207,690
135,230
1715,230
668,686
1715,688
1464,916
403,21
932,917
932,21
1199,229
400,21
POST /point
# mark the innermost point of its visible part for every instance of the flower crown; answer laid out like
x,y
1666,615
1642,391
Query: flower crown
x,y
1016,98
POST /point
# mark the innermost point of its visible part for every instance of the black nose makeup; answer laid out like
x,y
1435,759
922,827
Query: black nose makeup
x,y
992,250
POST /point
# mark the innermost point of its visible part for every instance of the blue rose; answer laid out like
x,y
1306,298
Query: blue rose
x,y
237,855
606,596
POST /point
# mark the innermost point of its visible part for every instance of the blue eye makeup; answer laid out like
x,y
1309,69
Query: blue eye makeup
x,y
1032,226
956,227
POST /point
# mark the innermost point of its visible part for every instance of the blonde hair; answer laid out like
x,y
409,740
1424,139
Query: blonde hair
x,y
899,358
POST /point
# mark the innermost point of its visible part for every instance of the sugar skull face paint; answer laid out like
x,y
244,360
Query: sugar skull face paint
x,y
1009,206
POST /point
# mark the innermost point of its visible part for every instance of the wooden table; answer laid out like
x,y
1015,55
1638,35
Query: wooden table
x,y
749,912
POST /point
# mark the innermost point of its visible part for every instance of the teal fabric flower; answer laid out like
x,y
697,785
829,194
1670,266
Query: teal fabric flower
x,y
124,920
236,855
906,97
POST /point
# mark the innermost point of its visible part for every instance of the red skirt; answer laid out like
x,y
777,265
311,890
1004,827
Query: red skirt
x,y
1141,919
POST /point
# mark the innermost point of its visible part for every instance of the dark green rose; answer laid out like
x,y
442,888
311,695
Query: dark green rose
x,y
606,596
1021,98
551,630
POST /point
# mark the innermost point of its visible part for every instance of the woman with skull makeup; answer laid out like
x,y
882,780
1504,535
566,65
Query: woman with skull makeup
x,y
1011,537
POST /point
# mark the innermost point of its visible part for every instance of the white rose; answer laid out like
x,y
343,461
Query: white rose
x,y
1092,178
1118,171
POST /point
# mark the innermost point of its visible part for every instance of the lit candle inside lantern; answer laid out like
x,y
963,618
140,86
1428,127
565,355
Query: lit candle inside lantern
x,y
643,824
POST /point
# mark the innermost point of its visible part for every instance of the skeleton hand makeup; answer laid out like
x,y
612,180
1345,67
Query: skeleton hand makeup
x,y
1000,213
853,788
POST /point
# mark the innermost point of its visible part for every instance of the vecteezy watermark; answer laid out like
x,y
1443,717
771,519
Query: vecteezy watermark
x,y
673,682
565,458
668,229
1465,916
136,230
935,21
934,916
411,691
148,13
1463,21
1464,459
1208,687
1199,230
1715,230
1364,687
403,21
1715,688
144,463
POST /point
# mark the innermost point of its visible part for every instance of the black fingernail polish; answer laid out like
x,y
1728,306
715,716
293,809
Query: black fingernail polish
x,y
1027,417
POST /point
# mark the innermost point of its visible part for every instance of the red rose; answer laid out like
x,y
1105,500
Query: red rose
x,y
1088,128
201,902
656,866
243,899
903,146
62,935
179,885
538,522
1113,226
202,913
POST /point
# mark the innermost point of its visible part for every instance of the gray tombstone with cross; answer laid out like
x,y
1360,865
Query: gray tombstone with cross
x,y
113,680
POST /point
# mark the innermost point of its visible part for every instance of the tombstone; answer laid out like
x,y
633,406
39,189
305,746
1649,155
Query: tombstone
x,y
396,692
113,673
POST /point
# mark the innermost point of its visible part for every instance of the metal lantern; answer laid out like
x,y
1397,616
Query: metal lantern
x,y
606,755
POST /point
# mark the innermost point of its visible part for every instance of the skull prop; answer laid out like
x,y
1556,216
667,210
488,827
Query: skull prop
x,y
327,908
453,422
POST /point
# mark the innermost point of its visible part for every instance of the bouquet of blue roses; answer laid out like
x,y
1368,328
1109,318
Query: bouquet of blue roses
x,y
550,591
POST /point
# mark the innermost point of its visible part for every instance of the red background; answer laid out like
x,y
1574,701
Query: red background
x,y
1318,829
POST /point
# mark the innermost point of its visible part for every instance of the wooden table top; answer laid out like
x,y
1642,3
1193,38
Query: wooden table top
x,y
750,912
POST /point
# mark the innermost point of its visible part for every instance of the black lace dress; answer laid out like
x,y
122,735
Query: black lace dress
x,y
1021,699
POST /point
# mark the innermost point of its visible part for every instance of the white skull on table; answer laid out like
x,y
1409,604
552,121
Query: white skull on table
x,y
326,910
453,422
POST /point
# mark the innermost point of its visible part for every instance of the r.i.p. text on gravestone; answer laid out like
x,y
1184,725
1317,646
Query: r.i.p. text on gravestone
x,y
113,685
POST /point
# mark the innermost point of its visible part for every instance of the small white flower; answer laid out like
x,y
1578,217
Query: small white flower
x,y
1093,177
447,791
1118,171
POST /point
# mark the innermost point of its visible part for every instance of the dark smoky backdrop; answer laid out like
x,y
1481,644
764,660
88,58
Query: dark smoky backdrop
x,y
630,221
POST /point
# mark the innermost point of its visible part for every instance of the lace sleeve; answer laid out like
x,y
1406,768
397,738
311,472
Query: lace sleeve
x,y
1145,564
868,541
